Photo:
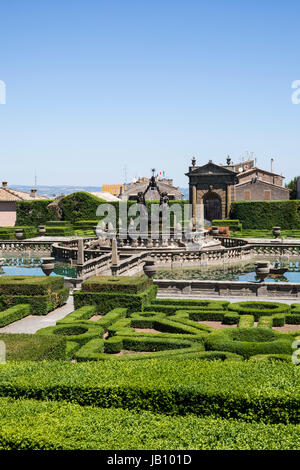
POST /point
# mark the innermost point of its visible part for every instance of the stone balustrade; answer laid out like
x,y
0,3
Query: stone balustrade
x,y
208,289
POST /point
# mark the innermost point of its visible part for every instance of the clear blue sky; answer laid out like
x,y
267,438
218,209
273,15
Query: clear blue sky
x,y
95,85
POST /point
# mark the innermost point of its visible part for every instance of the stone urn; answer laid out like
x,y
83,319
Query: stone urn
x,y
150,269
41,230
215,231
262,269
47,265
19,234
276,231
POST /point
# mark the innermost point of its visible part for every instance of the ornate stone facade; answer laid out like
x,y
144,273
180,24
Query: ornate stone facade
x,y
211,185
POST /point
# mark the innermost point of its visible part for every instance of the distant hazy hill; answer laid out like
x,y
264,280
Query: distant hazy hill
x,y
52,191
56,190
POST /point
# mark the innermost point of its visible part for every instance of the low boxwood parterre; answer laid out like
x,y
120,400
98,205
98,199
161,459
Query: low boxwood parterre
x,y
79,332
201,304
94,350
259,309
250,341
145,344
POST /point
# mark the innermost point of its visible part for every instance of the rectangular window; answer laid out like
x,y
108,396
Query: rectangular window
x,y
267,195
247,195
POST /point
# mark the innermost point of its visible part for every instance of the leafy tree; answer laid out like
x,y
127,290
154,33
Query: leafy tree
x,y
292,185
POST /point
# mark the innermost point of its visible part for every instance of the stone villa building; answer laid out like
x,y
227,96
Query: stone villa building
x,y
217,186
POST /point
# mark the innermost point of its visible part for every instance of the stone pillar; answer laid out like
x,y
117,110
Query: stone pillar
x,y
80,252
114,253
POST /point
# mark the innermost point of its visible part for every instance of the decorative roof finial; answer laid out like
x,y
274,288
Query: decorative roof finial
x,y
193,161
228,160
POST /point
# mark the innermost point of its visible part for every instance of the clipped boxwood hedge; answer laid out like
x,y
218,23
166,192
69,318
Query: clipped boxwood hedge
x,y
13,314
30,285
118,284
27,347
39,304
258,309
83,313
252,391
249,342
34,425
246,321
106,301
201,304
77,331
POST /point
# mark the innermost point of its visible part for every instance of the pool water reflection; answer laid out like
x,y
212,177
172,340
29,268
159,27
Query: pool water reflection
x,y
26,266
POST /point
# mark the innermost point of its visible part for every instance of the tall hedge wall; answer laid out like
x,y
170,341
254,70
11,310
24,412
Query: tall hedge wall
x,y
77,206
267,214
83,206
33,212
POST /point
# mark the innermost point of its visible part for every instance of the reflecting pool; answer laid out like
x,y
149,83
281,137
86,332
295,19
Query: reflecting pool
x,y
225,272
27,266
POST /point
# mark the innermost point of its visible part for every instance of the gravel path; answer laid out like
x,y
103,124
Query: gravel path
x,y
33,323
